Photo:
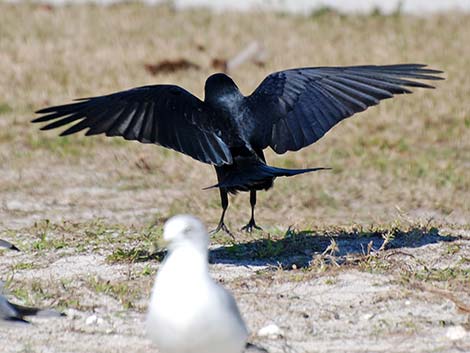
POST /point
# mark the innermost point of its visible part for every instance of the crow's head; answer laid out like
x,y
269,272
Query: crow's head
x,y
219,86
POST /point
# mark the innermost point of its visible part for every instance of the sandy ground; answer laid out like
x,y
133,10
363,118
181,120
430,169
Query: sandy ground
x,y
411,296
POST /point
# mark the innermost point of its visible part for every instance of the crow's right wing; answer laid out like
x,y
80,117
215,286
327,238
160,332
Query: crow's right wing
x,y
294,108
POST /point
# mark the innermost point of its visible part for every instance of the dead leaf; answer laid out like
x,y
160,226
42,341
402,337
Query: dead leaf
x,y
168,66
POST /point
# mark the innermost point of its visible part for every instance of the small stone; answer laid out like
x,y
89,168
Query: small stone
x,y
367,317
72,313
455,333
93,320
271,331
448,306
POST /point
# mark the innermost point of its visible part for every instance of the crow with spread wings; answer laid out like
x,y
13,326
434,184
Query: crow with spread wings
x,y
289,110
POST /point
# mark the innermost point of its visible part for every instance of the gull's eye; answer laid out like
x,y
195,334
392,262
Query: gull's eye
x,y
187,230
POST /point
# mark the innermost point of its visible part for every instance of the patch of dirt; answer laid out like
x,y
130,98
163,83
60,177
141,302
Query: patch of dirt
x,y
367,308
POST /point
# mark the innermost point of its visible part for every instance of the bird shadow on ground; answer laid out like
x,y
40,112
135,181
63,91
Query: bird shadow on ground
x,y
299,248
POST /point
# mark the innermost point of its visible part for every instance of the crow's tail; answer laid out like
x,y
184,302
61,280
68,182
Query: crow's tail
x,y
256,173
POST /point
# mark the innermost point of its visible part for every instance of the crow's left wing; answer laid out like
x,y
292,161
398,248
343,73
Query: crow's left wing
x,y
166,115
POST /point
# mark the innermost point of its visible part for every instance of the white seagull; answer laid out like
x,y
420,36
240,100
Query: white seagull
x,y
189,312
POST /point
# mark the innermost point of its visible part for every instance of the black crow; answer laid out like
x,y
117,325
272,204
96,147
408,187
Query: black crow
x,y
289,110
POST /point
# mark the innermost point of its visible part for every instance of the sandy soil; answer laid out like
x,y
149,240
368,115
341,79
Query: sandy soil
x,y
323,298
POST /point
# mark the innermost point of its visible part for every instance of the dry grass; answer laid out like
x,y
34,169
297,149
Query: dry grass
x,y
410,152
400,174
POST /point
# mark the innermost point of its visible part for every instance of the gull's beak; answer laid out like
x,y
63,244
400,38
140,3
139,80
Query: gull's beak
x,y
162,244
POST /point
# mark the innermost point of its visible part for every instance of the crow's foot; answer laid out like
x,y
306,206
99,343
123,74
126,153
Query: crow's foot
x,y
222,227
249,227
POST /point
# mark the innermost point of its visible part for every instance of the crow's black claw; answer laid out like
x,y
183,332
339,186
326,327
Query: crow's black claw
x,y
249,227
222,227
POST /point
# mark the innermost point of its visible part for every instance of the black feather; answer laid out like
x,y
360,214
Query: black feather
x,y
336,93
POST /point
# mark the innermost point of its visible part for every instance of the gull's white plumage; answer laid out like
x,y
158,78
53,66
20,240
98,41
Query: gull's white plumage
x,y
189,312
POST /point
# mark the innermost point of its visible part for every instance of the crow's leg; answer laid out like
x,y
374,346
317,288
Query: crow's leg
x,y
252,224
224,204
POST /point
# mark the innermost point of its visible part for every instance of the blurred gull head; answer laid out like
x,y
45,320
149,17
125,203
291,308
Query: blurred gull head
x,y
185,231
